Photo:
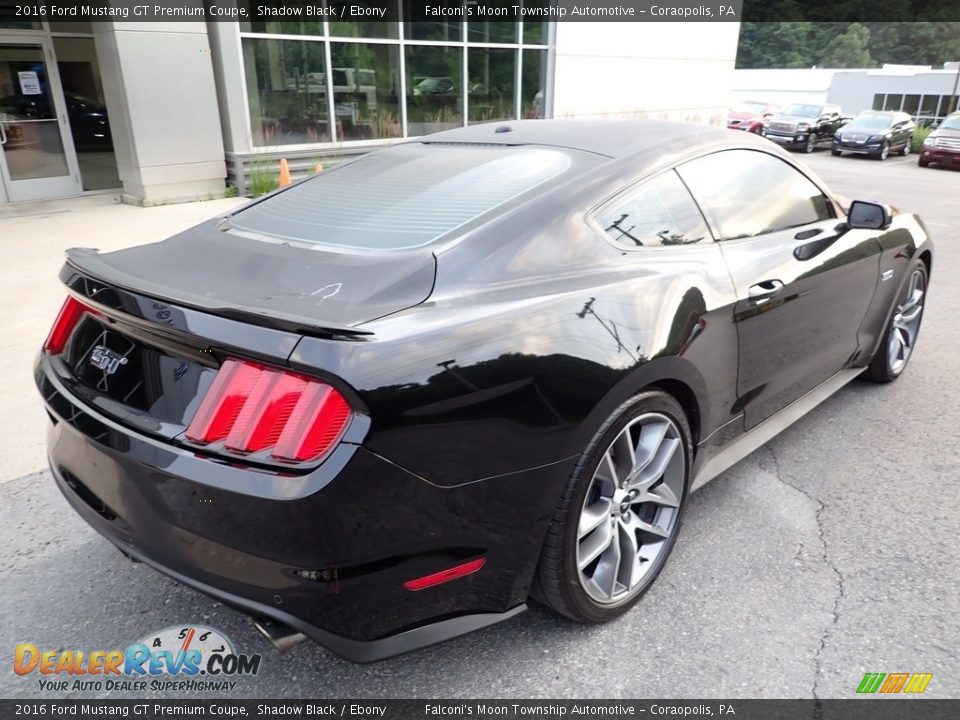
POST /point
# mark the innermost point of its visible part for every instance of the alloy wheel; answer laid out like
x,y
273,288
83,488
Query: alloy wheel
x,y
811,143
631,509
906,324
884,151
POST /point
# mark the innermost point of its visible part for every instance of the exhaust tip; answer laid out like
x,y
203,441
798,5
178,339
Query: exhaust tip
x,y
282,637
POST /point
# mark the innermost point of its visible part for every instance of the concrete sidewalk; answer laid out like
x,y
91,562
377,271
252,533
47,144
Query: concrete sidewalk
x,y
33,237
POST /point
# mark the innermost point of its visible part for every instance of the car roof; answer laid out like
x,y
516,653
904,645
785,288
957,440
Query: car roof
x,y
610,138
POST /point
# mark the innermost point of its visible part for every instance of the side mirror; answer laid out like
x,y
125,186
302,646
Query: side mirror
x,y
868,216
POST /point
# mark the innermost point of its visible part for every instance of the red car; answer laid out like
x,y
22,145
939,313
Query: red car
x,y
942,146
749,115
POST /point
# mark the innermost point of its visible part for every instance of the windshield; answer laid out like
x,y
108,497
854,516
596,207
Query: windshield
x,y
748,107
871,122
811,111
951,123
404,197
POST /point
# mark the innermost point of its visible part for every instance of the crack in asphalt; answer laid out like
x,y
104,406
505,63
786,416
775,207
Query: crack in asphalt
x,y
825,558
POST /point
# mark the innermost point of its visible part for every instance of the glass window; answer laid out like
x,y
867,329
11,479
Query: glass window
x,y
878,102
283,27
366,84
434,98
928,105
532,83
501,30
658,212
492,75
356,26
893,102
749,193
535,31
287,92
911,104
87,112
58,26
948,104
420,26
403,197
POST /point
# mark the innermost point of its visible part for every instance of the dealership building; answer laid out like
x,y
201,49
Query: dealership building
x,y
162,112
928,94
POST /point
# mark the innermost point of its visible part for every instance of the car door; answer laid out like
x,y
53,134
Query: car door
x,y
829,122
803,280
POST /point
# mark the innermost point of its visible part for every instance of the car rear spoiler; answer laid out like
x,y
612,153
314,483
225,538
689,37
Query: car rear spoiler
x,y
89,262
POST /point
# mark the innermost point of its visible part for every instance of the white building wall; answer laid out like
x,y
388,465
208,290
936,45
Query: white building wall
x,y
679,71
782,86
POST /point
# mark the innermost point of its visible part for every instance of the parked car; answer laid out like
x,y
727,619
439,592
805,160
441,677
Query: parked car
x,y
382,407
803,126
876,134
942,146
749,116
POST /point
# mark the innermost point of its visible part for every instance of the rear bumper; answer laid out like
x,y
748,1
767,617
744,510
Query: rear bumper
x,y
330,563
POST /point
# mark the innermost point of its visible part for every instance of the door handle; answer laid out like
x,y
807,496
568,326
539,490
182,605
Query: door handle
x,y
764,291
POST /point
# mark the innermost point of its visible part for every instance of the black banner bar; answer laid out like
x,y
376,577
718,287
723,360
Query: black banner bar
x,y
853,709
26,11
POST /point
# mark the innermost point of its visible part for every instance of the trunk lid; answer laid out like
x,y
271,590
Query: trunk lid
x,y
267,282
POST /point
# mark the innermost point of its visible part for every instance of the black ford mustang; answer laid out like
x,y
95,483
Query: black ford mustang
x,y
386,405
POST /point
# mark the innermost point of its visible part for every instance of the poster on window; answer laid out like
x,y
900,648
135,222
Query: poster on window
x,y
29,83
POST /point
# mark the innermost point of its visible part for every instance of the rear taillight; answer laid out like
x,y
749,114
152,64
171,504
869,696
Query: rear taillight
x,y
253,408
63,326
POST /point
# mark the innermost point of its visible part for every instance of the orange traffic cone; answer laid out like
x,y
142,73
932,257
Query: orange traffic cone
x,y
285,178
318,170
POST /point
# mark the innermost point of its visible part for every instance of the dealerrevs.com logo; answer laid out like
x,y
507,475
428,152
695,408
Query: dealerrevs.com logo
x,y
182,659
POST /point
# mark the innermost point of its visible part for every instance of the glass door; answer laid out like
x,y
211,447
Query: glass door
x,y
36,153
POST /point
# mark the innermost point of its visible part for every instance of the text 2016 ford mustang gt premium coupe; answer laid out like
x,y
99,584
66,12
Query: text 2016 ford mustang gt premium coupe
x,y
386,405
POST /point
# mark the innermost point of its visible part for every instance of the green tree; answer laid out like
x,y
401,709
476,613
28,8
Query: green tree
x,y
851,49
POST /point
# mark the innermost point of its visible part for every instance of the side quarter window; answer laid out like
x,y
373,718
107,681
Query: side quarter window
x,y
748,193
659,211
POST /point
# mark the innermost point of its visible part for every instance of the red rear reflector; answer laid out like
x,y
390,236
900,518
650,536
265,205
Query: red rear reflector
x,y
457,571
253,408
67,319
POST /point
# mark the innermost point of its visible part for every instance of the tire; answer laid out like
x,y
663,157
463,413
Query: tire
x,y
581,574
884,151
923,163
906,148
900,338
836,153
811,144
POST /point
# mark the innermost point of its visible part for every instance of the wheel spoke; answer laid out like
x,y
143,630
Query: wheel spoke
x,y
630,568
595,544
910,313
651,437
608,569
662,494
593,515
656,467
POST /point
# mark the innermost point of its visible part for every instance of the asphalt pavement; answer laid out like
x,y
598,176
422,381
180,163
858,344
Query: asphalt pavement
x,y
831,552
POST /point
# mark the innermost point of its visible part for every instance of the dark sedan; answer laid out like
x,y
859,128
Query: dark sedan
x,y
876,134
386,405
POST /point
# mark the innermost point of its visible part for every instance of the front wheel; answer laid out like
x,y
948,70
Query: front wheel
x,y
884,151
900,339
836,153
923,163
811,144
619,515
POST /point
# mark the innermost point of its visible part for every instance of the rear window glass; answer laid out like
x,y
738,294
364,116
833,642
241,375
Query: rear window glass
x,y
404,197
